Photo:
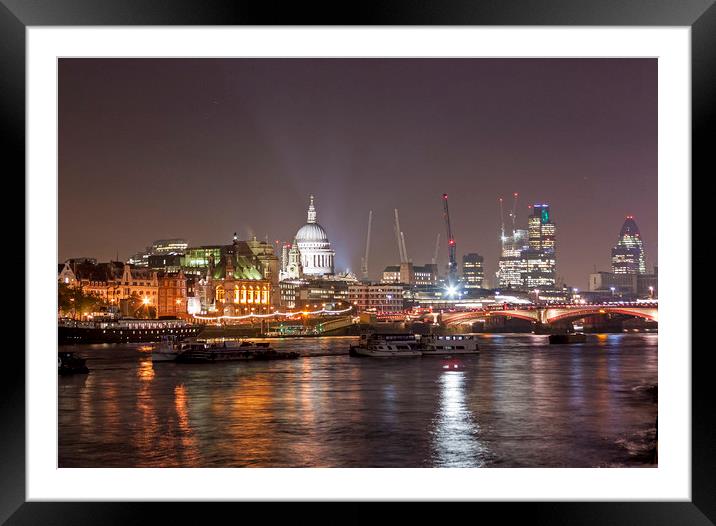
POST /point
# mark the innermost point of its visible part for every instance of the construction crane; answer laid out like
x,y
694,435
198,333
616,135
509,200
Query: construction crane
x,y
399,237
502,223
513,214
452,261
437,248
364,262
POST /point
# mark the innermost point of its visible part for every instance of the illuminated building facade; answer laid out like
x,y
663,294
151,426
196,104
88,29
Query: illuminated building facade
x,y
169,246
391,274
540,256
253,254
196,259
316,256
408,274
113,282
66,275
383,298
473,272
317,294
512,266
643,285
291,264
160,247
628,254
540,269
172,295
235,285
541,230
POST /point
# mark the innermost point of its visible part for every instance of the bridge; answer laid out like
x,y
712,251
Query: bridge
x,y
549,314
334,324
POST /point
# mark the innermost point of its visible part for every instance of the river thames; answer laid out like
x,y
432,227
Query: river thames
x,y
520,403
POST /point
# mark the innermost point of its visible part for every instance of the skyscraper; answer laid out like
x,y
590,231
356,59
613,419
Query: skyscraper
x,y
472,270
628,254
541,254
512,267
541,229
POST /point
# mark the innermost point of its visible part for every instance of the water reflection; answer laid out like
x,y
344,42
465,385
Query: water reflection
x,y
145,371
520,403
456,431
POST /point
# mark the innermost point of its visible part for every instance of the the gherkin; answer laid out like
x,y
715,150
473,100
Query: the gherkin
x,y
628,254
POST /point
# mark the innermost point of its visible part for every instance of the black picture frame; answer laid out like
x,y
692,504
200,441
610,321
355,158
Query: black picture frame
x,y
17,15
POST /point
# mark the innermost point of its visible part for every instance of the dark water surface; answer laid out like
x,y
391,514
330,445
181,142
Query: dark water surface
x,y
521,403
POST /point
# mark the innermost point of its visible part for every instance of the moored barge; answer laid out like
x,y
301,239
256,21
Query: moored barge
x,y
232,351
124,330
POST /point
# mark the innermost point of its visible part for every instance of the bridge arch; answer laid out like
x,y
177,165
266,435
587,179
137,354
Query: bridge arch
x,y
552,315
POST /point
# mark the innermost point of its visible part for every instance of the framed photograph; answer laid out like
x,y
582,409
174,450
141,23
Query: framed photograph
x,y
408,256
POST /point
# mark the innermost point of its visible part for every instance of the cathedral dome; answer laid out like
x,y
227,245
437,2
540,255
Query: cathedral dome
x,y
316,254
311,233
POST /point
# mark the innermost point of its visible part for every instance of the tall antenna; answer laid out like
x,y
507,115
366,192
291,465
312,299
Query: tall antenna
x,y
364,265
397,237
514,212
437,248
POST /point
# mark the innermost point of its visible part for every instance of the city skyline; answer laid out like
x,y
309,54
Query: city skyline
x,y
200,149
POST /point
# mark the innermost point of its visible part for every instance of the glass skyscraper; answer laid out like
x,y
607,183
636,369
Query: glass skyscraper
x,y
540,272
512,266
628,254
528,259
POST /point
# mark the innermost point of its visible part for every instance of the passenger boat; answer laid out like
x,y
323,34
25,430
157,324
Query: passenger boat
x,y
232,351
449,345
568,338
386,345
70,363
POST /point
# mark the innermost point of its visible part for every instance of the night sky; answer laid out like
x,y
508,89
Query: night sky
x,y
203,148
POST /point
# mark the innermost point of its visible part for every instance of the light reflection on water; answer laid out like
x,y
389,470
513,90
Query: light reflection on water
x,y
520,403
456,432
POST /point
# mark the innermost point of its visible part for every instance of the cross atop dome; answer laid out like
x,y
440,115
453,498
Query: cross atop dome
x,y
311,211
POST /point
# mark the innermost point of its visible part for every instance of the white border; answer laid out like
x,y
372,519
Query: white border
x,y
671,480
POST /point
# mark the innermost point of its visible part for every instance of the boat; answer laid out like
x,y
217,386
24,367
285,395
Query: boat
x,y
221,351
123,330
70,363
171,347
387,345
449,345
577,337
